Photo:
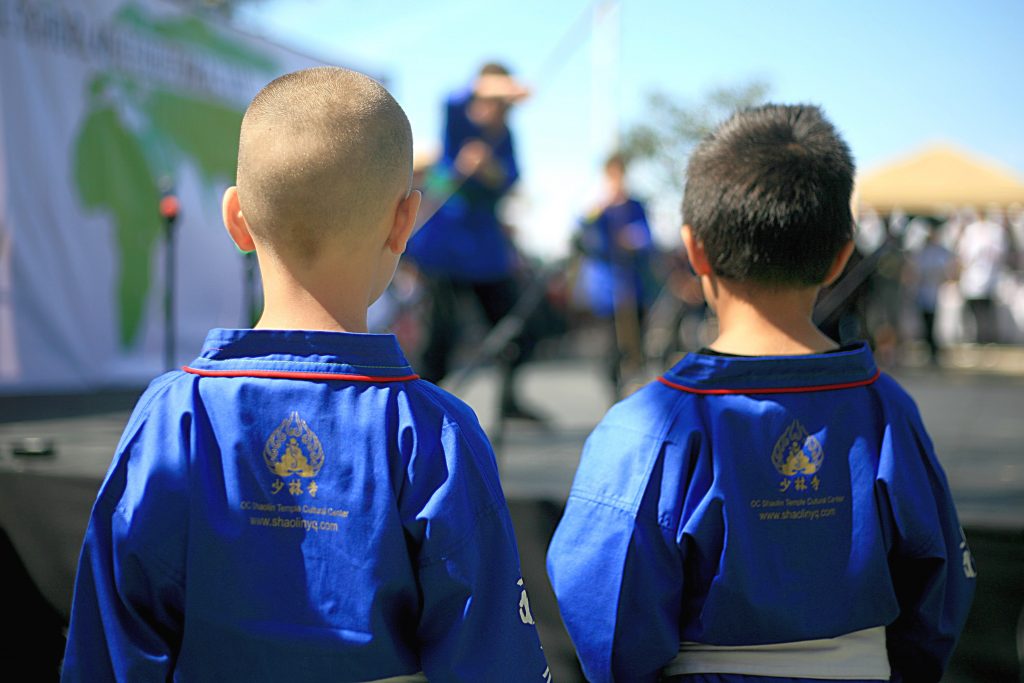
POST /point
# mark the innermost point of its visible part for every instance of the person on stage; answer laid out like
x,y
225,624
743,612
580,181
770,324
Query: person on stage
x,y
463,249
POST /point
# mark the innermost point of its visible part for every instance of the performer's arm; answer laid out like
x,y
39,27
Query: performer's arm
x,y
476,623
640,239
476,160
126,616
617,573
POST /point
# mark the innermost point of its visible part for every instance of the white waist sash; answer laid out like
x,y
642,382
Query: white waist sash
x,y
860,654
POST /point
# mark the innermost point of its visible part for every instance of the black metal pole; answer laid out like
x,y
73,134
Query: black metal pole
x,y
249,304
169,296
169,212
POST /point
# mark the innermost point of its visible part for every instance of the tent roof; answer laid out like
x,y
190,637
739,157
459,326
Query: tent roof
x,y
936,179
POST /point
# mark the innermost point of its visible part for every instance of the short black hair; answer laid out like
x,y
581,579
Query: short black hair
x,y
768,195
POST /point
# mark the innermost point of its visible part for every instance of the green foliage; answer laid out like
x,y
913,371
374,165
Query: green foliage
x,y
674,128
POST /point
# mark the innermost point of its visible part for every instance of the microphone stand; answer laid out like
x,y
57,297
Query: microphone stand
x,y
169,207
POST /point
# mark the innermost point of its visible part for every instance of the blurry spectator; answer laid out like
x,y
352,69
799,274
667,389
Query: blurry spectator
x,y
1014,222
982,251
916,233
870,232
930,266
885,294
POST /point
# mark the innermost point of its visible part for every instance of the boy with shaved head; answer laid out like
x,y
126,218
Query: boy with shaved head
x,y
295,504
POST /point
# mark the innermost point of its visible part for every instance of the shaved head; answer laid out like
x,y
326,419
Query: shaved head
x,y
323,152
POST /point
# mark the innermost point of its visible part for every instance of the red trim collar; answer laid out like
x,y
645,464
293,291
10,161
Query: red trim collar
x,y
285,374
774,390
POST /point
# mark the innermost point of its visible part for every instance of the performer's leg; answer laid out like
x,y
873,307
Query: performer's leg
x,y
497,299
928,322
442,328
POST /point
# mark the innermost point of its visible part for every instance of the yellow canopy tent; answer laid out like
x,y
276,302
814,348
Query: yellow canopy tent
x,y
936,180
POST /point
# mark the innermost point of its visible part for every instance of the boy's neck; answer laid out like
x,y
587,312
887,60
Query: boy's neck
x,y
766,322
333,303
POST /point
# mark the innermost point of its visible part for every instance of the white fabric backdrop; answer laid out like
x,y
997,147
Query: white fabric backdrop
x,y
100,102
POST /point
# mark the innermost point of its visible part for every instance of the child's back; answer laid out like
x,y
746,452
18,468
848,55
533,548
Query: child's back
x,y
746,501
772,507
297,505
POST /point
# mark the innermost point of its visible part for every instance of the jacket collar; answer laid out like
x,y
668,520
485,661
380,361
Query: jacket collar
x,y
707,374
302,354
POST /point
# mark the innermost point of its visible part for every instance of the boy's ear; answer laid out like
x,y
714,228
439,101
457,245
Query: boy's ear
x,y
836,269
695,250
235,222
404,220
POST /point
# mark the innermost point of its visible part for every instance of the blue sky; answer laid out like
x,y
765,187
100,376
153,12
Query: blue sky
x,y
893,76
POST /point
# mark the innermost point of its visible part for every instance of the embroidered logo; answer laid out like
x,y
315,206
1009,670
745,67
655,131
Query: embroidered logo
x,y
968,559
525,614
797,455
293,452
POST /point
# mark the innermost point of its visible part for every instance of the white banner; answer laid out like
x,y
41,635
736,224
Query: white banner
x,y
104,104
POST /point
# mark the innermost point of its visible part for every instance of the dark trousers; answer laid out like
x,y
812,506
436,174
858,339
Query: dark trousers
x,y
630,356
496,299
928,323
984,313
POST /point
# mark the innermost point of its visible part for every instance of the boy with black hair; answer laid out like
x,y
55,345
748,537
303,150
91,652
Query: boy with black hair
x,y
296,505
772,508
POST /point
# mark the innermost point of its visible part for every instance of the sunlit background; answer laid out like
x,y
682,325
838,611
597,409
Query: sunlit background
x,y
894,77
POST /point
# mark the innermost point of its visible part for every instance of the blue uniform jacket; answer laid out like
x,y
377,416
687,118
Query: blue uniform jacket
x,y
616,245
464,240
742,501
297,506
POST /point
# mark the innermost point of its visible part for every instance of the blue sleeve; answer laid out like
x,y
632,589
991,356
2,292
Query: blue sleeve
x,y
126,614
932,569
645,241
594,236
457,127
476,623
616,571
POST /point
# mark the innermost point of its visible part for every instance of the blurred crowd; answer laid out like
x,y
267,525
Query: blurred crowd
x,y
938,281
917,286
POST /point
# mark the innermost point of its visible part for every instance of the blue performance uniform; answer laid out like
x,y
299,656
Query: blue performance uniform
x,y
779,516
298,506
617,245
464,240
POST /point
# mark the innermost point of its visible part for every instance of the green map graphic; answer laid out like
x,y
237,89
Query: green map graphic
x,y
136,133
